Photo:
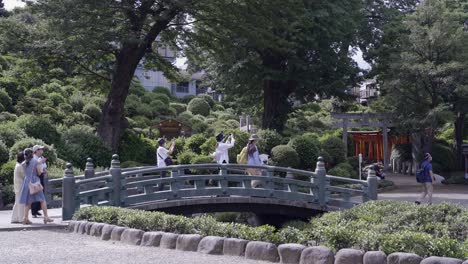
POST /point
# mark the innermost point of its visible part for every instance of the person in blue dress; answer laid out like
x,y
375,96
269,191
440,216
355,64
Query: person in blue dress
x,y
32,169
253,158
428,181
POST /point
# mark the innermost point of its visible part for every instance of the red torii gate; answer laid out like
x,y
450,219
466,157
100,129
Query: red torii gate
x,y
371,144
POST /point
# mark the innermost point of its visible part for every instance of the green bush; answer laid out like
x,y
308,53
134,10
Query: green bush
x,y
333,148
179,147
185,118
92,111
187,98
137,148
178,107
198,106
195,142
392,226
208,99
162,90
8,194
218,107
201,159
308,149
56,98
131,164
6,172
81,142
185,157
284,156
6,117
161,97
443,155
268,140
5,99
209,146
344,169
39,127
10,133
4,153
49,152
76,100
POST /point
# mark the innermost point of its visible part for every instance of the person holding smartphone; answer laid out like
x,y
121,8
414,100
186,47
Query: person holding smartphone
x,y
221,154
162,155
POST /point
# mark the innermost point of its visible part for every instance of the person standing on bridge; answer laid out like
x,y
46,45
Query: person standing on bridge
x,y
222,149
32,169
253,158
18,209
163,159
428,180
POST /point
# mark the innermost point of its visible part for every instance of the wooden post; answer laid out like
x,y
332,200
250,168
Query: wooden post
x,y
372,185
385,145
68,193
89,169
321,181
116,173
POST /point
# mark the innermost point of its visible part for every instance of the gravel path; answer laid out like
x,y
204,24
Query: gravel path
x,y
59,246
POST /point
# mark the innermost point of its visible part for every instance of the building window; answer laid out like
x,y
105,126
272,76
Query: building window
x,y
182,87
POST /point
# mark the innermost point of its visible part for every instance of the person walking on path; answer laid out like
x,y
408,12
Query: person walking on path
x,y
32,169
222,149
18,179
162,154
428,180
38,151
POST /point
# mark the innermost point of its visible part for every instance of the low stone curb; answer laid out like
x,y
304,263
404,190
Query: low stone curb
x,y
132,236
188,242
212,245
256,250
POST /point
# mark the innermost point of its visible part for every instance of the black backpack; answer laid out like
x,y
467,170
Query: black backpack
x,y
420,174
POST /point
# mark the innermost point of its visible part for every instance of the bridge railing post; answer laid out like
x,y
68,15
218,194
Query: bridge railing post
x,y
223,184
371,190
89,169
68,193
116,173
321,181
174,184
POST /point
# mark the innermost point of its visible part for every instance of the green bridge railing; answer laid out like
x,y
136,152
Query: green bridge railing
x,y
132,186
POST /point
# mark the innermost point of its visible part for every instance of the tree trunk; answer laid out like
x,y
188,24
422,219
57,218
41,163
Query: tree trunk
x,y
458,139
275,103
421,143
113,121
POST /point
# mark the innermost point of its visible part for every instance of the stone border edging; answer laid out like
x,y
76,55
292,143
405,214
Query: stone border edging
x,y
255,250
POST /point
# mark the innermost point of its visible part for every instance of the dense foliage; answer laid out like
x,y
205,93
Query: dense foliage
x,y
435,230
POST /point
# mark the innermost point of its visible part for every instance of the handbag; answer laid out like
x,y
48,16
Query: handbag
x,y
167,160
35,187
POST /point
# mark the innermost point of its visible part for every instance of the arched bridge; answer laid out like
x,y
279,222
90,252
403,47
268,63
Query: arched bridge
x,y
198,188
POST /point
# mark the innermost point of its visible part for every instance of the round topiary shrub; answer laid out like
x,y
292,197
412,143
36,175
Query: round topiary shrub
x,y
218,107
5,99
162,90
92,111
49,152
268,140
208,99
308,150
161,97
187,98
334,149
4,152
137,148
284,156
194,143
201,159
178,107
81,142
6,116
6,172
10,133
198,106
39,127
185,117
344,170
185,157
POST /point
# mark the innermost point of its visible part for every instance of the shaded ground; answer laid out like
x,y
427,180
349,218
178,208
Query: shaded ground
x,y
407,189
58,246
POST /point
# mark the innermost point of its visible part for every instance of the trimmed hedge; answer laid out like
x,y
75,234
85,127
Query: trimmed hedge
x,y
390,226
284,156
199,106
158,221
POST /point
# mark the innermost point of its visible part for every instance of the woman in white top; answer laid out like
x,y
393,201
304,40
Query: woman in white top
x,y
161,154
222,154
18,209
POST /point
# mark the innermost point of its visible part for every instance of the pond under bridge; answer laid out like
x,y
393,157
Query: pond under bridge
x,y
202,188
